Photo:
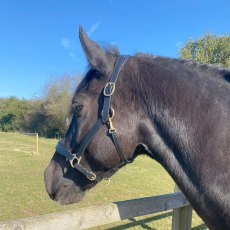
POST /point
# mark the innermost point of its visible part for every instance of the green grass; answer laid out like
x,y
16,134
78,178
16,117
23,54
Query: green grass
x,y
22,192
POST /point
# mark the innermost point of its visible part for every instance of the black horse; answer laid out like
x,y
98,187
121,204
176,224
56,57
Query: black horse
x,y
175,111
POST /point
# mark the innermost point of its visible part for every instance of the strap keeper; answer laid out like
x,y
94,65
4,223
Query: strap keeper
x,y
91,176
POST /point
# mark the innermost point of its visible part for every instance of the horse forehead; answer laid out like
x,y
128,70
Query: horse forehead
x,y
91,81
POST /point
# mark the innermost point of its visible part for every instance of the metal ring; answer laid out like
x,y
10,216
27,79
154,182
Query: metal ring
x,y
74,158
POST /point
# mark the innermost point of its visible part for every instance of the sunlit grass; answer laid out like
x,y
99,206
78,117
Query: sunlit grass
x,y
22,192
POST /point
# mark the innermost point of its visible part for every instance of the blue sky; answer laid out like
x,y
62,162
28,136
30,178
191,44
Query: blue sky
x,y
39,39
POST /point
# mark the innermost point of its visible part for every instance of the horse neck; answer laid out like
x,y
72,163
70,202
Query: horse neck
x,y
172,134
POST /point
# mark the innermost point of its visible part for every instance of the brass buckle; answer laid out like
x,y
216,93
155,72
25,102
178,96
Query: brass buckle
x,y
109,89
75,158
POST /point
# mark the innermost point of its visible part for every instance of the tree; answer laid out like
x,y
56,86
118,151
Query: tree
x,y
12,113
208,48
57,99
49,115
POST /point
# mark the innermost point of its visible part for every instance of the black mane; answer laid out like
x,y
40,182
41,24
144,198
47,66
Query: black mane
x,y
190,65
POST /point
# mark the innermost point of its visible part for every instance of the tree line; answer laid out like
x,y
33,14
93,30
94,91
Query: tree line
x,y
49,114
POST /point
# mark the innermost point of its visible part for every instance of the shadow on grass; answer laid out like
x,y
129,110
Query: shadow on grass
x,y
200,227
142,223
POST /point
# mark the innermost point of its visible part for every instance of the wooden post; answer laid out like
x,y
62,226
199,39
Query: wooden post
x,y
36,143
182,217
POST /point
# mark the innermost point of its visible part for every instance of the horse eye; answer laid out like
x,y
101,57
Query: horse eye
x,y
77,109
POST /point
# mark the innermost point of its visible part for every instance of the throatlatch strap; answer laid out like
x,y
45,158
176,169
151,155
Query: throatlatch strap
x,y
118,148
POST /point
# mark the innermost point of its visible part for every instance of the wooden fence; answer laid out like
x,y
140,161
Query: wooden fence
x,y
94,216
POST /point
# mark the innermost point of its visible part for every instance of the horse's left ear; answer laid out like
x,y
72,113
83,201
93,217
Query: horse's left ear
x,y
96,56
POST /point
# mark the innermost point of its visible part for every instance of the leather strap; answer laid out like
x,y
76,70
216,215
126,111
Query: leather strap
x,y
88,137
89,174
110,87
62,150
118,148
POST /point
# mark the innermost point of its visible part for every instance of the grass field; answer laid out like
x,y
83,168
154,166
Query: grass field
x,y
22,192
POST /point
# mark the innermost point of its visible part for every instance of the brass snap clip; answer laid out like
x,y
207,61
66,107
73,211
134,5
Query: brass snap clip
x,y
111,127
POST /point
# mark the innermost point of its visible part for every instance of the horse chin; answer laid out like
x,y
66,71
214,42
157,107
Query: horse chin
x,y
70,199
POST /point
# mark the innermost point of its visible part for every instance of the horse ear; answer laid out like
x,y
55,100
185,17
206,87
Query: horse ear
x,y
95,55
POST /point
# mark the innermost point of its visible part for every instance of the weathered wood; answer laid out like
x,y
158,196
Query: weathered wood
x,y
144,206
98,215
182,217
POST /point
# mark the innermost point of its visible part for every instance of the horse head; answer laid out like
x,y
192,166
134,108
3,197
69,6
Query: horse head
x,y
107,127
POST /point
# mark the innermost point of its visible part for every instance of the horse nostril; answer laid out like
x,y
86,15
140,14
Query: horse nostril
x,y
53,196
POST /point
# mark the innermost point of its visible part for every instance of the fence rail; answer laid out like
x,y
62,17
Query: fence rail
x,y
94,216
